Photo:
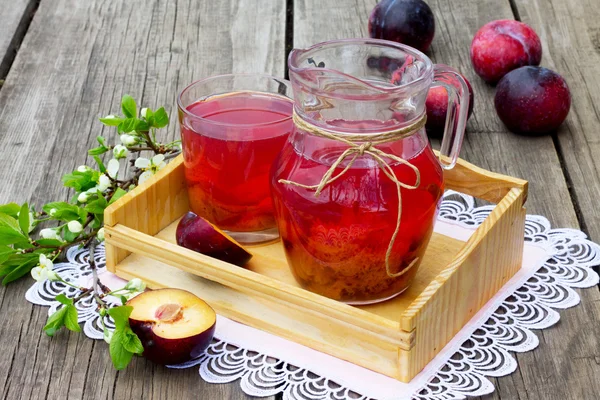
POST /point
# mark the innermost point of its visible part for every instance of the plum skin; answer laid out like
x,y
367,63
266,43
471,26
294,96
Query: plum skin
x,y
197,234
436,105
532,100
502,46
410,22
171,351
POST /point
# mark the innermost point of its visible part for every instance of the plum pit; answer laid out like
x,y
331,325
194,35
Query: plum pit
x,y
169,312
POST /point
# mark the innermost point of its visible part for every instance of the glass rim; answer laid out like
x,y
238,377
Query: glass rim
x,y
184,109
296,53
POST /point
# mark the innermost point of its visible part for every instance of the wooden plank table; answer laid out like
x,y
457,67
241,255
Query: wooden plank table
x,y
76,58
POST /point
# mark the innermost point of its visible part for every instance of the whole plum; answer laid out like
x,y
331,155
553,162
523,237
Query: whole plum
x,y
532,100
409,22
503,45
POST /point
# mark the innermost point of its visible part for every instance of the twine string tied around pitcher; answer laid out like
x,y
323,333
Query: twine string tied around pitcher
x,y
359,146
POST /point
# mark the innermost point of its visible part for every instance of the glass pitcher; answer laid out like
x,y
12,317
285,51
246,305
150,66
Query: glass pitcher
x,y
357,188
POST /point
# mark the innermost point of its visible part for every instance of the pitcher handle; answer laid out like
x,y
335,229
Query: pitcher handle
x,y
456,117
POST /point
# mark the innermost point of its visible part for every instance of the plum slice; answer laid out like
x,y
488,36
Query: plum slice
x,y
197,234
173,325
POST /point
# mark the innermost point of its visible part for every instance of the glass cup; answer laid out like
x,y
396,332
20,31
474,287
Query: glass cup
x,y
232,129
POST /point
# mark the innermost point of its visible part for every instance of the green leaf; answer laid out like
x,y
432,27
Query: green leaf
x,y
128,106
127,125
11,209
9,222
71,319
118,194
98,221
5,270
100,164
123,299
64,211
10,236
81,181
149,117
24,219
101,140
131,342
96,151
56,321
96,206
62,299
70,236
5,253
111,121
119,355
161,118
141,126
121,316
20,271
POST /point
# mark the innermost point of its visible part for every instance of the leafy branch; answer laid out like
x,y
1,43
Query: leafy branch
x,y
24,248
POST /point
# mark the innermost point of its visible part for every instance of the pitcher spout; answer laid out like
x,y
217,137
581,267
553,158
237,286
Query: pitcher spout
x,y
360,79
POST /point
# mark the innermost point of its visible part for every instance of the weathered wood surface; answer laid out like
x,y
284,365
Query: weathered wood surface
x,y
76,61
15,16
79,57
570,33
549,371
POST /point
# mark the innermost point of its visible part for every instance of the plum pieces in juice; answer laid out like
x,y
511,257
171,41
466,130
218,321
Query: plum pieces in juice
x,y
228,156
336,243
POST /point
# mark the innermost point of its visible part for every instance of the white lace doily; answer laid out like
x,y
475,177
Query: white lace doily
x,y
482,349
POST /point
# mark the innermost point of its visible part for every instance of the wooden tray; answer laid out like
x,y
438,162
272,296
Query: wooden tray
x,y
396,338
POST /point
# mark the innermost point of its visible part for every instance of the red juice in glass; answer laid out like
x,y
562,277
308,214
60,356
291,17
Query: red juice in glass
x,y
230,141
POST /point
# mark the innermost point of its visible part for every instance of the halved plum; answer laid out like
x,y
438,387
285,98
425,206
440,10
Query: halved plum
x,y
173,325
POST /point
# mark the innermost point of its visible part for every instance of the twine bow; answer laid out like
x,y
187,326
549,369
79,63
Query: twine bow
x,y
359,147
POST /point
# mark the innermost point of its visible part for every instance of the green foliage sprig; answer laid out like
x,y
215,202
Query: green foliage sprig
x,y
24,248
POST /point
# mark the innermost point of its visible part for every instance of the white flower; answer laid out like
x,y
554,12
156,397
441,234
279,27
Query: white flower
x,y
49,233
83,197
103,183
40,273
100,235
53,276
128,140
112,168
53,211
120,151
143,112
150,167
45,262
83,168
75,226
108,334
145,176
136,285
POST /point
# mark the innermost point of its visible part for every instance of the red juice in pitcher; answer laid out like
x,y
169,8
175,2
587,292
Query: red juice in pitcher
x,y
336,243
228,152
